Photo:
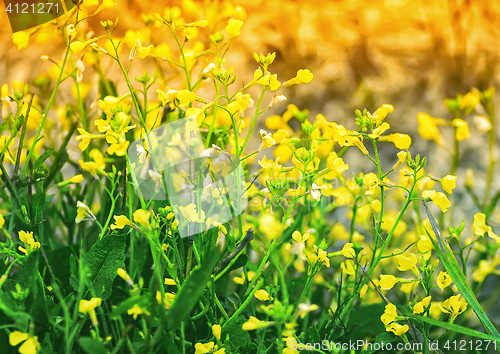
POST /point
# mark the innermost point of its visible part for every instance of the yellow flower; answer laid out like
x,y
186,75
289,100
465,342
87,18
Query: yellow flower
x,y
397,329
185,97
82,212
136,310
389,315
122,273
233,28
424,244
141,217
443,280
2,221
191,215
29,242
479,227
167,300
85,138
421,306
21,39
348,251
303,76
169,281
88,306
337,165
262,295
455,305
121,221
30,345
462,132
254,323
449,182
428,129
321,258
270,80
388,281
270,226
376,205
401,159
382,112
407,261
216,331
438,198
208,348
401,141
304,309
267,140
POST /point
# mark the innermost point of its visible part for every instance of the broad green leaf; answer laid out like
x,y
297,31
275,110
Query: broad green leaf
x,y
453,268
92,346
237,336
101,263
190,292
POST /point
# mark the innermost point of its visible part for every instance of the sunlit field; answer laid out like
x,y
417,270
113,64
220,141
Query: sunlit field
x,y
251,177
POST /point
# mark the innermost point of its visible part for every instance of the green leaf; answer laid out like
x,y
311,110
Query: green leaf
x,y
453,268
102,262
143,301
384,337
456,328
92,346
240,262
190,292
237,336
39,161
314,336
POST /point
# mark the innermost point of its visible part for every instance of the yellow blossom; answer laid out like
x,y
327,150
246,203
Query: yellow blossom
x,y
122,273
421,306
401,159
121,221
304,309
270,226
401,141
376,205
30,345
85,138
462,132
190,213
136,310
233,28
267,140
479,227
254,323
389,315
141,217
262,295
443,280
29,242
303,76
216,331
438,198
169,281
21,39
449,182
428,129
406,261
347,251
455,305
270,80
388,281
208,348
88,306
397,329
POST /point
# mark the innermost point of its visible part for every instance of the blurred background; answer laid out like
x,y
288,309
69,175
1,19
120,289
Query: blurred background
x,y
410,53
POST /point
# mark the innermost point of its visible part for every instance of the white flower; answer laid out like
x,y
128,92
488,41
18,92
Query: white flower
x,y
277,99
316,191
483,124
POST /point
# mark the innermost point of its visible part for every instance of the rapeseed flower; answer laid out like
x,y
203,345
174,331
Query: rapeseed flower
x,y
454,305
88,306
421,306
30,343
